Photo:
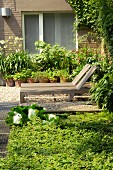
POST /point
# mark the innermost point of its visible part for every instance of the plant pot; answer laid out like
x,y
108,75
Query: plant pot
x,y
30,80
43,80
10,83
18,83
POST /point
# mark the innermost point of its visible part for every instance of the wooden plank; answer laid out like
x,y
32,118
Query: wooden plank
x,y
72,112
81,74
86,77
46,84
52,97
57,90
70,92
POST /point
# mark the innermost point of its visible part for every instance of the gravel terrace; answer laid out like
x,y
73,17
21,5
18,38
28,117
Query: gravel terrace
x,y
9,96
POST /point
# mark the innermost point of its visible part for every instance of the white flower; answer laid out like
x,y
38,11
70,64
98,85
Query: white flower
x,y
50,116
16,118
32,113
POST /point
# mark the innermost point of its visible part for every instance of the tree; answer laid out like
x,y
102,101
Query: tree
x,y
97,14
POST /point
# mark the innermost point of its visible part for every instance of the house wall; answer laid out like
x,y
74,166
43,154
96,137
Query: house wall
x,y
43,5
12,25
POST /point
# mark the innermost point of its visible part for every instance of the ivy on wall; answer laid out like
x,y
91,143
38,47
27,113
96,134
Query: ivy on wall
x,y
98,15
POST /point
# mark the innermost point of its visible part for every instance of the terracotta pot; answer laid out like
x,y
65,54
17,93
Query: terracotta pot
x,y
30,80
10,83
43,80
18,83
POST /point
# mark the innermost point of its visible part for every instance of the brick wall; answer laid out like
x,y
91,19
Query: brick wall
x,y
10,26
1,23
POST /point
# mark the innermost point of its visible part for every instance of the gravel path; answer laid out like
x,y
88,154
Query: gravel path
x,y
10,96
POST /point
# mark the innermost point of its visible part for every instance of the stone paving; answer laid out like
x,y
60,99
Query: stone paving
x,y
4,129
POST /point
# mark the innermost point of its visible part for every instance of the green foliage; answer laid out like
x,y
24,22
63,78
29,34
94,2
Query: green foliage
x,y
15,62
84,141
54,57
20,115
86,10
8,76
98,15
102,92
19,76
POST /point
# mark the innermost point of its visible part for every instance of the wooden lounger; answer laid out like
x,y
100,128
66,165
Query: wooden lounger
x,y
71,88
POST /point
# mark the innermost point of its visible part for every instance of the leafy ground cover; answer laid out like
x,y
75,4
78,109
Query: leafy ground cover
x,y
83,141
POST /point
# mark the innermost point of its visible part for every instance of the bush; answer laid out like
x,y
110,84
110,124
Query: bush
x,y
15,62
81,142
54,57
102,92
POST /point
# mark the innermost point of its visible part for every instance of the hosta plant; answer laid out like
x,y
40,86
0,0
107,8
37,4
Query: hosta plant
x,y
20,115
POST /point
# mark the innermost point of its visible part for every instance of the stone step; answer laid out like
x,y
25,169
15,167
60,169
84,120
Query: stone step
x,y
3,154
3,141
4,128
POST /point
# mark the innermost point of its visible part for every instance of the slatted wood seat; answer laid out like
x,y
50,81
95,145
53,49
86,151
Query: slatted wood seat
x,y
77,86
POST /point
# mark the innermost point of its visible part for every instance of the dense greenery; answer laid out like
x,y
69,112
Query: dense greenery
x,y
55,57
102,92
58,58
15,62
84,141
98,15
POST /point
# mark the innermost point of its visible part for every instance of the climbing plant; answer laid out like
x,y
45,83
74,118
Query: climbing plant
x,y
98,15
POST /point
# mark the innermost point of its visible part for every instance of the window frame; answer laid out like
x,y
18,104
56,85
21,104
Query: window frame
x,y
41,35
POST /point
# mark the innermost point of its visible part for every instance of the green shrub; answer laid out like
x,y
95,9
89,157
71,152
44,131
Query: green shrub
x,y
102,92
84,141
15,62
54,57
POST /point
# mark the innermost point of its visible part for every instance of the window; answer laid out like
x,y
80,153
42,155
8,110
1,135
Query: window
x,y
49,27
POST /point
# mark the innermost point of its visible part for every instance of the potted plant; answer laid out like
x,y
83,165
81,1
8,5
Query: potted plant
x,y
43,77
34,77
18,77
53,76
64,76
9,80
28,75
